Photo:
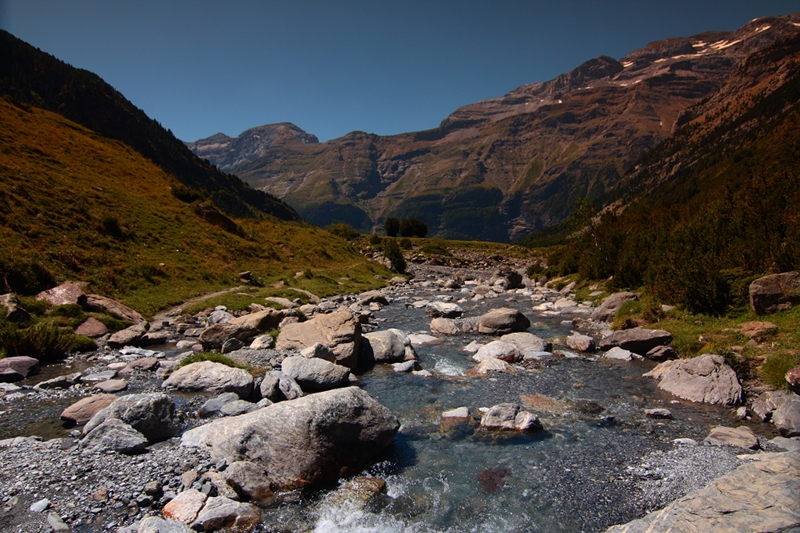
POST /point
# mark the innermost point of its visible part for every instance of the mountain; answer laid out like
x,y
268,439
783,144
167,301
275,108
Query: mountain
x,y
31,76
501,168
228,153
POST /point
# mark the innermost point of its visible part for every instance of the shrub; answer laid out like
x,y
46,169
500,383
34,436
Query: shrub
x,y
395,256
405,243
345,231
392,226
374,239
413,227
44,341
82,344
68,311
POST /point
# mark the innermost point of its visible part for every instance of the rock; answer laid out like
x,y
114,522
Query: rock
x,y
787,417
658,413
459,413
509,417
83,410
112,385
422,340
221,484
220,512
356,493
608,309
114,435
562,304
319,351
99,376
211,377
502,321
405,366
581,343
474,346
619,354
185,506
40,506
314,375
759,330
311,440
706,378
153,415
793,379
154,524
102,304
662,353
758,496
57,525
509,279
231,345
785,444
213,405
249,481
444,310
14,310
388,346
774,293
66,293
371,297
60,382
243,328
262,342
444,326
527,343
143,363
743,437
493,365
505,351
91,327
219,316
637,340
128,336
277,387
17,368
339,331
765,404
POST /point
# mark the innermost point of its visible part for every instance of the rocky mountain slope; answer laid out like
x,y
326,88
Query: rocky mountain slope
x,y
31,76
503,167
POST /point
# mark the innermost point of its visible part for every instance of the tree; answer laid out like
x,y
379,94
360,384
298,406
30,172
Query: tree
x,y
392,226
392,252
412,227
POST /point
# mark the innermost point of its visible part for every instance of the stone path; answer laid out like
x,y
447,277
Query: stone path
x,y
761,496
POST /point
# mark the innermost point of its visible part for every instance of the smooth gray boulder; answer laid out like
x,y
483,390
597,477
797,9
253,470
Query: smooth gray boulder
x,y
304,442
387,346
209,376
213,405
339,331
758,496
637,340
114,435
787,417
775,293
706,378
153,415
315,375
608,309
502,321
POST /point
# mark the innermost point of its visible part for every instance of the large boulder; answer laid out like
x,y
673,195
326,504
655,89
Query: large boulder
x,y
220,512
706,378
243,328
387,346
774,293
444,326
339,331
114,435
277,386
444,310
502,321
505,351
509,417
608,309
130,336
506,278
304,442
153,415
84,409
528,344
637,340
581,343
787,417
91,327
17,368
95,302
314,375
70,292
742,437
210,377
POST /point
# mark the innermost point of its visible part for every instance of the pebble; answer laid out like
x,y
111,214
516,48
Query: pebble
x,y
40,506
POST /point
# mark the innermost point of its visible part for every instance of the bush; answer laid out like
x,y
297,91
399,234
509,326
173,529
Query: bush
x,y
345,231
413,227
44,341
435,247
392,252
374,239
83,344
392,226
405,243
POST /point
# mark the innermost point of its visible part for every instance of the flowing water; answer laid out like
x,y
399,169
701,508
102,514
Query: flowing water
x,y
573,476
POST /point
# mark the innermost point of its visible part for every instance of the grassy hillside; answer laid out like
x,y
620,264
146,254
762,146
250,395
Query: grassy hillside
x,y
77,205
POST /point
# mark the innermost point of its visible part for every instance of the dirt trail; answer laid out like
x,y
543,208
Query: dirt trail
x,y
178,309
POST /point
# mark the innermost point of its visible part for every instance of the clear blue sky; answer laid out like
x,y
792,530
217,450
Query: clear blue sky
x,y
200,67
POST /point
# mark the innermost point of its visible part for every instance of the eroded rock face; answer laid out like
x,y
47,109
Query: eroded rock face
x,y
212,377
502,321
339,331
758,496
303,442
706,378
637,340
774,293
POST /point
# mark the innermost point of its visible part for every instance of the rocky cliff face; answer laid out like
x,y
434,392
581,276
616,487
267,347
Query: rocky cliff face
x,y
500,168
